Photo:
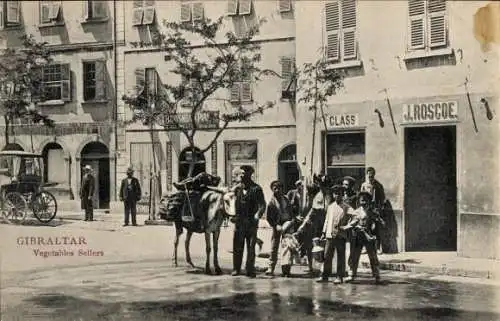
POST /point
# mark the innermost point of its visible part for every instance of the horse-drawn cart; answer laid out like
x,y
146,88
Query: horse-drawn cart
x,y
22,187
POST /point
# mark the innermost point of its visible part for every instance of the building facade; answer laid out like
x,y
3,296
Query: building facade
x,y
419,104
266,142
82,100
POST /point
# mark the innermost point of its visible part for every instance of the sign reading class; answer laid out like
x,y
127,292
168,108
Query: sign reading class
x,y
430,112
343,120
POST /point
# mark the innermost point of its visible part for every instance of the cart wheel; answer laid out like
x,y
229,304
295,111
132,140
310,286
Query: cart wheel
x,y
44,206
16,206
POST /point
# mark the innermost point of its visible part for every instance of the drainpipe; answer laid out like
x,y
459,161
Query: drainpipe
x,y
115,102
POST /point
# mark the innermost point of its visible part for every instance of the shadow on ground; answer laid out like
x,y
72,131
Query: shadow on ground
x,y
245,306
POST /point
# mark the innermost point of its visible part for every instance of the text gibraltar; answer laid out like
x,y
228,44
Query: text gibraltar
x,y
62,240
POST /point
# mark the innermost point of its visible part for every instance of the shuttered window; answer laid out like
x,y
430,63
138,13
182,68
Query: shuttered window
x,y
285,5
94,80
341,33
239,7
241,91
192,11
143,12
50,12
10,14
427,24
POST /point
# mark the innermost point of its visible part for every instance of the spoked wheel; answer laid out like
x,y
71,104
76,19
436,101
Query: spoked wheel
x,y
44,206
15,207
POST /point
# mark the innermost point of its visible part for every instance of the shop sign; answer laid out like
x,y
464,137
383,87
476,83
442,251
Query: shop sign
x,y
430,112
343,120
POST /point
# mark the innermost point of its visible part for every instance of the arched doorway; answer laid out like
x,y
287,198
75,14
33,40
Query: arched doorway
x,y
288,168
53,159
13,146
186,157
96,154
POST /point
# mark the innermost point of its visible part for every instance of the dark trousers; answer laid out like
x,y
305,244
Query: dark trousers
x,y
244,233
130,209
371,250
88,207
333,245
275,245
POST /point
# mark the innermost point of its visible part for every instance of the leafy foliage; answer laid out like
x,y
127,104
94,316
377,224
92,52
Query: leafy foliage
x,y
211,62
21,82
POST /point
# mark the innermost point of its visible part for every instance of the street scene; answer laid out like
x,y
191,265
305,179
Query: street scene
x,y
249,159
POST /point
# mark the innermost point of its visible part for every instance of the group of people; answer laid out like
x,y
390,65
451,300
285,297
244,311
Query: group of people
x,y
351,217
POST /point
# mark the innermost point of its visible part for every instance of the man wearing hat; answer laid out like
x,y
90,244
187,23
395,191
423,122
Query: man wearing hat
x,y
376,190
337,217
278,212
250,206
130,194
87,193
363,219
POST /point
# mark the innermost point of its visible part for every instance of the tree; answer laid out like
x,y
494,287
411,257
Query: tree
x,y
317,83
204,68
21,83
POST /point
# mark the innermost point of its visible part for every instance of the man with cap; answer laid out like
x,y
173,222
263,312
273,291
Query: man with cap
x,y
296,197
250,206
376,190
130,194
337,217
278,212
350,198
87,193
363,219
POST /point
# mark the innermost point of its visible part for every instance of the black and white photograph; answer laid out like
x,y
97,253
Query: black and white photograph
x,y
198,160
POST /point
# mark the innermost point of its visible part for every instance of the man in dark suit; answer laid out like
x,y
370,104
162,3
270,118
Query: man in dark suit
x,y
87,193
250,206
130,193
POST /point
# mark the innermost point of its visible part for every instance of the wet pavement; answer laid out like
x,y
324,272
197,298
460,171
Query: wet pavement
x,y
154,291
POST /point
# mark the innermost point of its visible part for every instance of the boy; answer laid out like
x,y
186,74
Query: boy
x,y
362,226
337,217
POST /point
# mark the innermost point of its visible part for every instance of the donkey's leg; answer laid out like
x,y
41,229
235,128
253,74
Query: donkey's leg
x,y
176,243
207,251
188,254
216,235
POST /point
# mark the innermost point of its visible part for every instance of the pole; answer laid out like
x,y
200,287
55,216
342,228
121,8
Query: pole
x,y
313,138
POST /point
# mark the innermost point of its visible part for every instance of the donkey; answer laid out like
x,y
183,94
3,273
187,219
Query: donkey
x,y
216,204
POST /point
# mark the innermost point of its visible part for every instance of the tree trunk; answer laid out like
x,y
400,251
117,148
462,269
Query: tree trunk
x,y
6,119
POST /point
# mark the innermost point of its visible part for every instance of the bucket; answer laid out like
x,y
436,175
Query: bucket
x,y
318,251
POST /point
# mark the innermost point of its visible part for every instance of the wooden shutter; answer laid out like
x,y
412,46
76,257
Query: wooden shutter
x,y
65,82
235,92
245,7
13,12
99,9
85,9
284,5
286,72
437,23
55,10
349,29
45,11
332,21
137,13
151,83
416,11
2,23
185,12
232,7
100,80
198,11
140,80
149,15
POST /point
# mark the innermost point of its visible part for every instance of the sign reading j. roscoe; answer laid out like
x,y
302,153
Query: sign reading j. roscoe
x,y
430,112
342,120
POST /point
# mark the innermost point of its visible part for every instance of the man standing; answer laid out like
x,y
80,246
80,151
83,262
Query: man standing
x,y
376,190
130,194
337,217
250,206
87,193
350,198
278,213
296,196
